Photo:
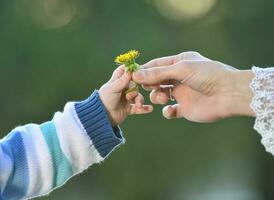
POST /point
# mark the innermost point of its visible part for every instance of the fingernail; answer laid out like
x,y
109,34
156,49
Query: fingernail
x,y
169,109
165,112
159,99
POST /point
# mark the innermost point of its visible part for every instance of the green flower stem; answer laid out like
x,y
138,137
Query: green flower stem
x,y
133,67
132,87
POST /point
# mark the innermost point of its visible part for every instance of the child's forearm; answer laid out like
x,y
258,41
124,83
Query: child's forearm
x,y
35,159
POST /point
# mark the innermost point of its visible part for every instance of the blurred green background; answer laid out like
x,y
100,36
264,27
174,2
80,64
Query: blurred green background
x,y
54,51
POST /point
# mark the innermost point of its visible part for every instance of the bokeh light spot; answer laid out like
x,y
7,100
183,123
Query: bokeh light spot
x,y
184,9
52,14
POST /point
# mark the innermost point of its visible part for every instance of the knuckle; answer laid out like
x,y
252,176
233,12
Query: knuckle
x,y
184,67
189,55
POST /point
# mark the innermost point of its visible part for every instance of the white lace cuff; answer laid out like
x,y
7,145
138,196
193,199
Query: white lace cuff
x,y
263,105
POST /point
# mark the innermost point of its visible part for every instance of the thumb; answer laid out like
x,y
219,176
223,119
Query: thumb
x,y
121,83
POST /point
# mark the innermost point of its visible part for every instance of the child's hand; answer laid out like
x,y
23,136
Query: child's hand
x,y
119,105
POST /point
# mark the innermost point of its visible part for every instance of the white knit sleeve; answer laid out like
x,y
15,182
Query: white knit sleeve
x,y
263,105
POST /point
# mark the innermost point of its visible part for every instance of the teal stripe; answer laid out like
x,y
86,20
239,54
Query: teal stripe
x,y
61,165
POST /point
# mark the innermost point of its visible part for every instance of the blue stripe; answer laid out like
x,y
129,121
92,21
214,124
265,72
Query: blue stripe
x,y
95,120
17,185
62,169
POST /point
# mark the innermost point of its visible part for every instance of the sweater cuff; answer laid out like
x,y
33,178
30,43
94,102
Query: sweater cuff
x,y
96,122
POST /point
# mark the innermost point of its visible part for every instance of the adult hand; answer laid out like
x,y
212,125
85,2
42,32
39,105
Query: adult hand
x,y
205,90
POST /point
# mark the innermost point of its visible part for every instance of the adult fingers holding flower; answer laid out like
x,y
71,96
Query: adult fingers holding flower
x,y
205,90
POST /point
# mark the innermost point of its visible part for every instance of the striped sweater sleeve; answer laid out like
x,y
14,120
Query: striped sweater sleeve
x,y
35,159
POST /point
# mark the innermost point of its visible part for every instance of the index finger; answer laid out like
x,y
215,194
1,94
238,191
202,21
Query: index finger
x,y
163,61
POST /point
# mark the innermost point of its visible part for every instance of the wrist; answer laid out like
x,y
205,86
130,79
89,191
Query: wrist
x,y
240,93
94,119
107,109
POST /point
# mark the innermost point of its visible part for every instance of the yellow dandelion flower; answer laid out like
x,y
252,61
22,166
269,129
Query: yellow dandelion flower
x,y
127,58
